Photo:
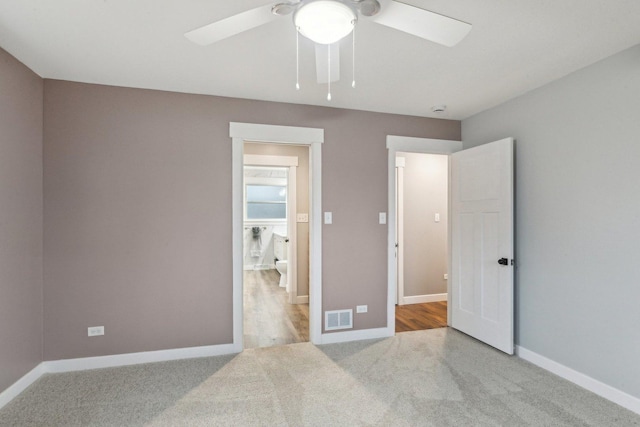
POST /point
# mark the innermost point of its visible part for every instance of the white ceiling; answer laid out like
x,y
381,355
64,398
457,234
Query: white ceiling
x,y
514,46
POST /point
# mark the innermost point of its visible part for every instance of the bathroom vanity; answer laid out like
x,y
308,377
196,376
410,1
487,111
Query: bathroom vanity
x,y
280,246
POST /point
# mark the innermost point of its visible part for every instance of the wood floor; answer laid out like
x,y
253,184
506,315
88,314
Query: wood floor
x,y
269,319
416,317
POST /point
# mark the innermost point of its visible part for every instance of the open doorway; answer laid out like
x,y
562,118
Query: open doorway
x,y
275,244
313,139
403,144
422,240
481,235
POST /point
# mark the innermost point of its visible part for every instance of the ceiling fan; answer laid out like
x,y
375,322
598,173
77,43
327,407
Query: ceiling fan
x,y
328,21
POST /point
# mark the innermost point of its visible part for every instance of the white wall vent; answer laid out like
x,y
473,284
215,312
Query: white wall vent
x,y
338,319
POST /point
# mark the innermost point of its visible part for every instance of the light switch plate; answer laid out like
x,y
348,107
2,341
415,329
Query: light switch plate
x,y
437,217
328,218
95,331
302,217
382,218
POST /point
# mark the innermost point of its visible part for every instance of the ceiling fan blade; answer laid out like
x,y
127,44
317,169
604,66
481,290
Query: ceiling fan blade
x,y
423,23
322,64
232,25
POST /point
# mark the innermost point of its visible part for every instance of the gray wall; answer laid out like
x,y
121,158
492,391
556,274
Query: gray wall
x,y
138,213
302,202
578,217
425,241
20,220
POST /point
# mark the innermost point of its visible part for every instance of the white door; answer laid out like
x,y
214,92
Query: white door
x,y
482,243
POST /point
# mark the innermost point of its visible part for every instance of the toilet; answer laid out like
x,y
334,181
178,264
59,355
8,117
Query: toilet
x,y
280,247
281,266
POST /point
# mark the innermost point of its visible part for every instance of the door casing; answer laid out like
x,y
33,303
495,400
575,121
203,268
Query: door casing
x,y
312,137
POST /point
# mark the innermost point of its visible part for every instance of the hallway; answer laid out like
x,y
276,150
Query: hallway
x,y
417,317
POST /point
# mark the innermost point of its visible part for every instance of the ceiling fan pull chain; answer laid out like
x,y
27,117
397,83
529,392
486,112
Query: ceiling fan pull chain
x,y
297,58
353,36
329,72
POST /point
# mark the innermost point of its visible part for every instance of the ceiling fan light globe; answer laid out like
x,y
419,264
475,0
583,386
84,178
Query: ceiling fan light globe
x,y
325,21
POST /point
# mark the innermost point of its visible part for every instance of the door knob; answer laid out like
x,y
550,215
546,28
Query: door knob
x,y
503,261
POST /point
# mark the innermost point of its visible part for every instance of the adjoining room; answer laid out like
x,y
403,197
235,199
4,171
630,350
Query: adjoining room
x,y
276,269
422,239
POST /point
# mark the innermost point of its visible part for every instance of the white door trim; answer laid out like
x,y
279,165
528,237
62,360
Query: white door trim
x,y
400,164
408,145
313,137
292,235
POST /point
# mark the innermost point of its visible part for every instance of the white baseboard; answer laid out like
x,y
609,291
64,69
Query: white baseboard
x,y
302,299
19,386
84,363
421,299
362,334
623,399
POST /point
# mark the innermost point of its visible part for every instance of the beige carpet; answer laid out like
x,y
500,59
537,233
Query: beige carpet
x,y
437,377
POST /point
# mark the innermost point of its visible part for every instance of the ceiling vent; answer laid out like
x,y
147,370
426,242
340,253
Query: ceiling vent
x,y
439,108
338,319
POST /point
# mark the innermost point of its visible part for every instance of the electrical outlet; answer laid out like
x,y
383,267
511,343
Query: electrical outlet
x,y
382,218
94,331
362,308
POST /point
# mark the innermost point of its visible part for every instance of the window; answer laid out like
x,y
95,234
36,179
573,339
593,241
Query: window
x,y
266,202
265,194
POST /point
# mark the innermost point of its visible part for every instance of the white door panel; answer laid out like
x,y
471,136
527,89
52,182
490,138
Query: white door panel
x,y
482,234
